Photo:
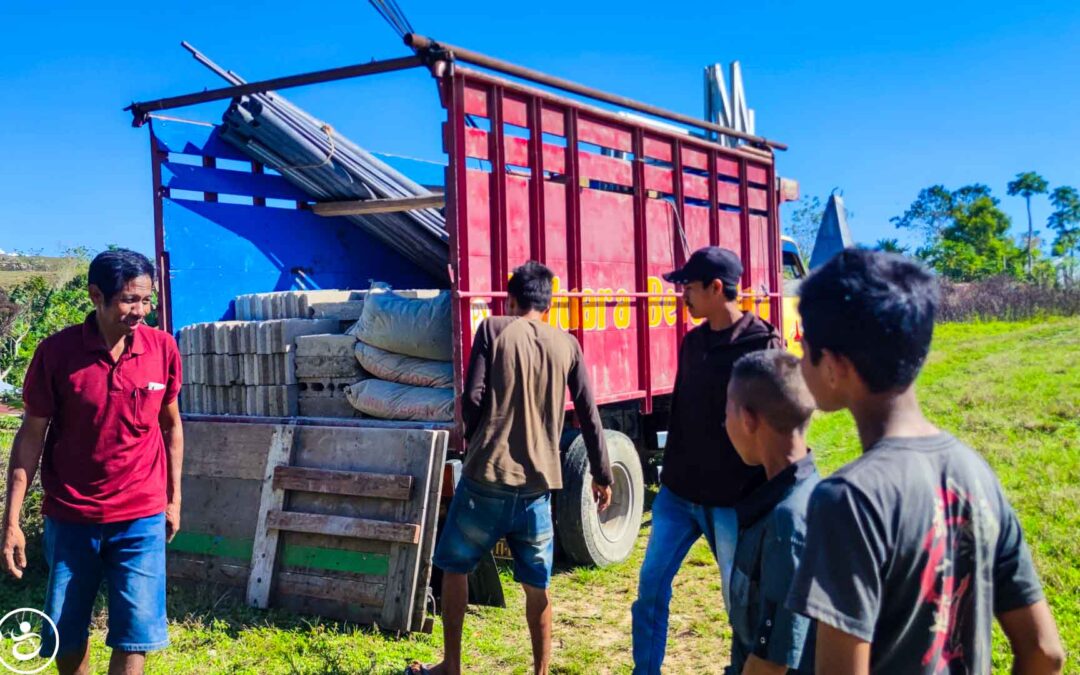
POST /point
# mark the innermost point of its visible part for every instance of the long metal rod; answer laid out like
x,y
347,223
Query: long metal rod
x,y
141,111
426,45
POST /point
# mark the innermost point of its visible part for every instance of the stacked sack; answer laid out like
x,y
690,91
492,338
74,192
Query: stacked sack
x,y
405,345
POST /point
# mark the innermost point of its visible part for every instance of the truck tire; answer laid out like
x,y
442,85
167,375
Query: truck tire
x,y
589,538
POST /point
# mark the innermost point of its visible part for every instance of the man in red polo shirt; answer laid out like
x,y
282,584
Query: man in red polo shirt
x,y
103,422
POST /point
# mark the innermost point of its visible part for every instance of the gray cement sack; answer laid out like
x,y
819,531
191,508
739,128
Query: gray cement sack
x,y
405,369
393,401
410,326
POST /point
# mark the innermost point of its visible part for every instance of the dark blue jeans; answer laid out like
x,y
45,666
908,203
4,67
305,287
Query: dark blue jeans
x,y
676,525
130,558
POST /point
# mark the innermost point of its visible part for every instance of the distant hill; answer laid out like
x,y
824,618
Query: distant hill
x,y
15,269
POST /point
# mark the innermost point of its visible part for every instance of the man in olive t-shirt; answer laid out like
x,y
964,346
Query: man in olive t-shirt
x,y
514,404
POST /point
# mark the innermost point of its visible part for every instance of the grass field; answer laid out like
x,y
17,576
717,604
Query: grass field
x,y
1010,390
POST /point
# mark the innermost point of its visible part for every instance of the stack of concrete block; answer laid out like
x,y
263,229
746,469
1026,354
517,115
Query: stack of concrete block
x,y
244,367
343,306
325,365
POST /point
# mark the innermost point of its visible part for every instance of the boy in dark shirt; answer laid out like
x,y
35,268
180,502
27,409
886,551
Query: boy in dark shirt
x,y
768,410
912,549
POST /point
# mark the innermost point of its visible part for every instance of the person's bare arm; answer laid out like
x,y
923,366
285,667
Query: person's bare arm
x,y
756,665
1034,638
839,653
173,431
25,457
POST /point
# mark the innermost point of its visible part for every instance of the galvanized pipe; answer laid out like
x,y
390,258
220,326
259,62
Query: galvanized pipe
x,y
141,111
430,49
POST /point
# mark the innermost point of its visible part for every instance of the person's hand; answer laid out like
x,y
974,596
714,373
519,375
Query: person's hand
x,y
601,495
172,520
14,551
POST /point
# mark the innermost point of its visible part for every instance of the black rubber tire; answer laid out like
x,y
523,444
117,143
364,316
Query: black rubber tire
x,y
589,538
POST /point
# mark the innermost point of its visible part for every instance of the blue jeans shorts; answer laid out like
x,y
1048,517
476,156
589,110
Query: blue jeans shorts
x,y
130,557
481,514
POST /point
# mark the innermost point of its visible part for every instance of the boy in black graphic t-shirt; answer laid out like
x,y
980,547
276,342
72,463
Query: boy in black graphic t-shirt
x,y
912,549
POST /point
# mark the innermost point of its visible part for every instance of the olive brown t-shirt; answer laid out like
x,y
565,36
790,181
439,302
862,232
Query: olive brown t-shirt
x,y
515,401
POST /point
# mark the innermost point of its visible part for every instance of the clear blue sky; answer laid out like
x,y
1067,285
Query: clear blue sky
x,y
879,99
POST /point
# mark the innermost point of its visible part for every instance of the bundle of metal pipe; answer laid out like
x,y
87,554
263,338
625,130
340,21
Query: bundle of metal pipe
x,y
329,167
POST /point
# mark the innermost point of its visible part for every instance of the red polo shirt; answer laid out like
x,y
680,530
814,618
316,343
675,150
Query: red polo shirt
x,y
104,459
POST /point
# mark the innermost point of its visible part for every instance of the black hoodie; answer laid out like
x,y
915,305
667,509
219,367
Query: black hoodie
x,y
700,463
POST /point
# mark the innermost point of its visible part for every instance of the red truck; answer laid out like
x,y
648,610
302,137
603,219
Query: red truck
x,y
537,168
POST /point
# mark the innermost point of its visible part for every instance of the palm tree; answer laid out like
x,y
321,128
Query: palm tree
x,y
890,246
1027,184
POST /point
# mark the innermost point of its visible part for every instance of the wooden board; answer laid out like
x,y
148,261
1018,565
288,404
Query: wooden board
x,y
355,483
337,523
264,552
342,526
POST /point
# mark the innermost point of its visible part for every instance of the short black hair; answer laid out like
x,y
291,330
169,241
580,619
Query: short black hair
x,y
530,285
730,293
877,309
111,269
771,384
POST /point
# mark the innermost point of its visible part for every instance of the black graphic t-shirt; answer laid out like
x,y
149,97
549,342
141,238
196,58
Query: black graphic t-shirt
x,y
914,548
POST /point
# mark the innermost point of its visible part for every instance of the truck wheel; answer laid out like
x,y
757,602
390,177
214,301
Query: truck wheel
x,y
589,538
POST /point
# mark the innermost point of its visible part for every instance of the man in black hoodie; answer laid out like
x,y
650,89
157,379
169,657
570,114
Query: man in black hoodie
x,y
703,477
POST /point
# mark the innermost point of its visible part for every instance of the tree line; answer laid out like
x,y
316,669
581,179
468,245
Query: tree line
x,y
965,234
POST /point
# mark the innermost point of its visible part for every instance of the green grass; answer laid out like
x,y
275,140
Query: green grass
x,y
1012,391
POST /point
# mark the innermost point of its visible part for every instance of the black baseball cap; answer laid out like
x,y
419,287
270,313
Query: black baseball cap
x,y
707,264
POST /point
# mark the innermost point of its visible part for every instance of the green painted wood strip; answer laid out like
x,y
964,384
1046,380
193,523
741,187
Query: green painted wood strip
x,y
313,557
336,560
208,544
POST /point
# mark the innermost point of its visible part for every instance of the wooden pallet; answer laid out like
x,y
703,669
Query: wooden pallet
x,y
327,520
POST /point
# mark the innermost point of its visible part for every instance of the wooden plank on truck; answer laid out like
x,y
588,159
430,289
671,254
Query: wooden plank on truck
x,y
364,207
264,551
356,483
342,526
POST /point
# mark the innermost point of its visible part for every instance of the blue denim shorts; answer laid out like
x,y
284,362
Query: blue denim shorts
x,y
481,514
130,557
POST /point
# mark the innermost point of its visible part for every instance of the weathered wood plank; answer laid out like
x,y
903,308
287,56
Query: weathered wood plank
x,y
331,588
370,206
264,552
202,569
207,500
427,536
341,526
228,450
354,483
405,560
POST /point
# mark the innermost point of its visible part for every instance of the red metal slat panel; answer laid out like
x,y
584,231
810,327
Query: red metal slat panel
x,y
658,179
714,223
757,174
517,150
515,111
475,102
603,134
657,148
573,215
457,223
729,231
538,248
552,120
592,166
518,236
696,159
697,226
758,199
727,193
641,328
695,186
497,178
726,166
